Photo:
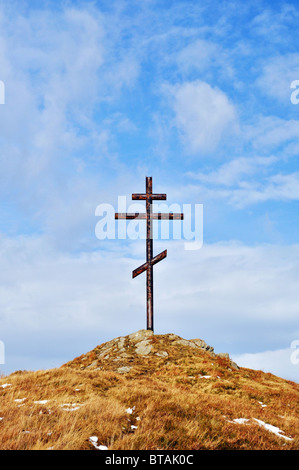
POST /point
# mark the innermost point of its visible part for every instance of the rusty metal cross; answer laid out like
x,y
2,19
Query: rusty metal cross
x,y
150,260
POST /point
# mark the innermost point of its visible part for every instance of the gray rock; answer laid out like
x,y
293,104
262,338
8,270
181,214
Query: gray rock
x,y
124,354
93,364
234,365
124,369
185,342
172,336
162,353
107,348
121,342
143,348
225,355
140,335
202,344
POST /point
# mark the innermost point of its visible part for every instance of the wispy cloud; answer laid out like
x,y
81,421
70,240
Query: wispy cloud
x,y
273,132
234,172
277,75
202,115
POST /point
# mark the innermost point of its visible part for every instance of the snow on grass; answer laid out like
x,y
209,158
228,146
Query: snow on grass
x,y
273,429
278,432
94,442
71,406
41,402
5,385
262,404
130,410
240,420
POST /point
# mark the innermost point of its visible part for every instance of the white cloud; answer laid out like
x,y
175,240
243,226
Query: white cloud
x,y
246,181
278,362
202,55
234,172
276,23
269,132
203,115
235,297
58,66
277,187
50,72
277,76
198,55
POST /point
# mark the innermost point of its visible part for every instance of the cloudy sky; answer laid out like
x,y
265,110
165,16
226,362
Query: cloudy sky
x,y
194,93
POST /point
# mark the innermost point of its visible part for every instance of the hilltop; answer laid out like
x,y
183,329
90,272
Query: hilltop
x,y
146,391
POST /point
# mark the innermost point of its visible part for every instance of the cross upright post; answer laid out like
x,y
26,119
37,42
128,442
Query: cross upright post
x,y
150,260
149,257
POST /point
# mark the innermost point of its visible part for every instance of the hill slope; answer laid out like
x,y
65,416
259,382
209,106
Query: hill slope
x,y
146,391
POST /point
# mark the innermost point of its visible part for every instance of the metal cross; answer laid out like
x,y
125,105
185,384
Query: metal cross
x,y
150,260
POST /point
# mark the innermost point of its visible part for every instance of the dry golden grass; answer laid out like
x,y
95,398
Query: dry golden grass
x,y
185,401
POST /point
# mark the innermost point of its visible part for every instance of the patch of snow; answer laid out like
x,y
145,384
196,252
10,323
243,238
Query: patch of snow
x,y
269,427
20,400
133,426
41,402
204,376
130,410
71,406
273,429
5,385
240,420
262,404
94,442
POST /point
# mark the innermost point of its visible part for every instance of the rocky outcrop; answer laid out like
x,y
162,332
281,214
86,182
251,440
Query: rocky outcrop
x,y
123,352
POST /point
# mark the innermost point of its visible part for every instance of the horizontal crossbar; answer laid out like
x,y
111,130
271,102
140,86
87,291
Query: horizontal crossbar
x,y
154,216
170,216
124,215
142,197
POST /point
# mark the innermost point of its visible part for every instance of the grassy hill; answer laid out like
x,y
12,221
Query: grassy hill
x,y
146,391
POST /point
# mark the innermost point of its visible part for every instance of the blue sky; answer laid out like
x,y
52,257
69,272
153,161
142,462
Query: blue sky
x,y
196,94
